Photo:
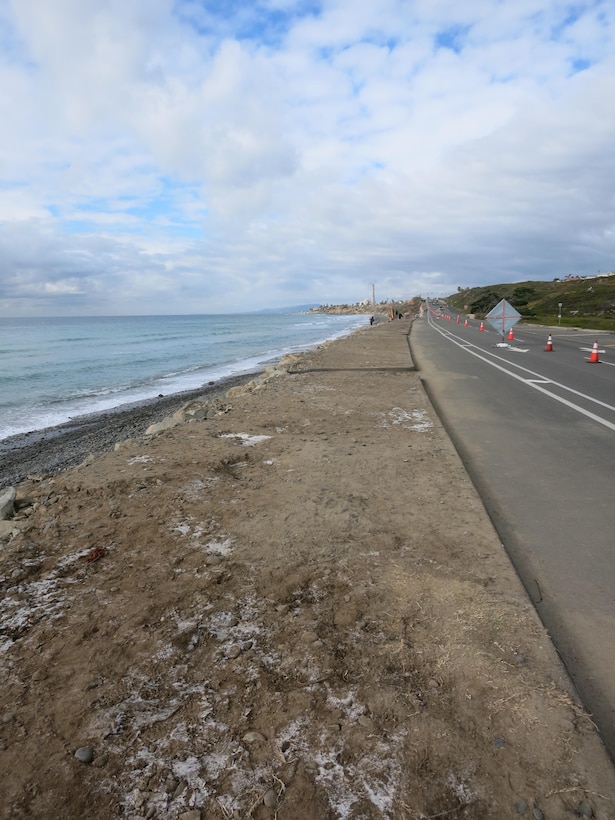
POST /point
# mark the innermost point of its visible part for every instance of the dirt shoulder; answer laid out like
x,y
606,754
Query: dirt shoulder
x,y
295,609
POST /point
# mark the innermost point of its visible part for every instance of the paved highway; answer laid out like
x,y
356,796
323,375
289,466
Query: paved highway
x,y
536,430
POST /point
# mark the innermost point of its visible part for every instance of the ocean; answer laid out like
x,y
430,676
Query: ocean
x,y
53,370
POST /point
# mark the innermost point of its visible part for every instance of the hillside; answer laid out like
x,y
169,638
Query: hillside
x,y
588,302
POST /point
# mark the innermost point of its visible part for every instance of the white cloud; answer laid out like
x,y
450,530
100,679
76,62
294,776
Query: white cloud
x,y
171,157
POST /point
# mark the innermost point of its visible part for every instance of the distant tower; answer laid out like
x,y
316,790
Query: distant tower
x,y
373,294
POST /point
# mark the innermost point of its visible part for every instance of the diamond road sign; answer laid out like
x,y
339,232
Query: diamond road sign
x,y
503,316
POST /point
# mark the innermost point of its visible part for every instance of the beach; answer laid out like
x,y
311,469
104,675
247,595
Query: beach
x,y
292,604
53,449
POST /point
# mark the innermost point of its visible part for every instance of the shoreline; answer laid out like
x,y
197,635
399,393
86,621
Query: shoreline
x,y
51,450
297,607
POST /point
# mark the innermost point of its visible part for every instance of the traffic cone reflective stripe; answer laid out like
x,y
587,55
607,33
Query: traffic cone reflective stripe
x,y
549,346
594,357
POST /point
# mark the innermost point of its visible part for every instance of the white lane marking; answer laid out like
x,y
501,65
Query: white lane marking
x,y
535,384
539,376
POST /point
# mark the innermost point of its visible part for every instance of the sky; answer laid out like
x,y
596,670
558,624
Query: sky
x,y
221,156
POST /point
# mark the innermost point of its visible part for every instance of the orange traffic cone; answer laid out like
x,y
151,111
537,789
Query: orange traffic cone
x,y
465,324
482,327
457,320
549,346
594,358
511,335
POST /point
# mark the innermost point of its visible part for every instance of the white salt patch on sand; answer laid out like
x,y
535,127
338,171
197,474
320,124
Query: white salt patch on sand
x,y
187,769
311,673
271,661
72,559
137,712
422,421
164,653
139,459
214,765
332,776
180,732
44,598
346,704
33,562
460,789
219,624
375,777
219,546
380,797
293,731
227,766
183,625
408,420
245,438
382,776
195,489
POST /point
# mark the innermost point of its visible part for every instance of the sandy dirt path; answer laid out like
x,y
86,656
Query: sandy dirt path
x,y
296,609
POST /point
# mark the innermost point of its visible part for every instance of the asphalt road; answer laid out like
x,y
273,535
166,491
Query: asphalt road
x,y
536,431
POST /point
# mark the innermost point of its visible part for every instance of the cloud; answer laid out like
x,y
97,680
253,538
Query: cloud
x,y
163,156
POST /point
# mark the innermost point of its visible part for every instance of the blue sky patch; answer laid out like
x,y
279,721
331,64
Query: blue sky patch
x,y
243,19
165,209
579,64
573,14
452,38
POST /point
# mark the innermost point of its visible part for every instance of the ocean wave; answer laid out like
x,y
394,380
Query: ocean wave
x,y
117,368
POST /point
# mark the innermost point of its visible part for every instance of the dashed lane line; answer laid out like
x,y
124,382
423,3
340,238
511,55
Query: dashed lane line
x,y
536,383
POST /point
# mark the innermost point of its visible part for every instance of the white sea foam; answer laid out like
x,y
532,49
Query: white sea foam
x,y
55,370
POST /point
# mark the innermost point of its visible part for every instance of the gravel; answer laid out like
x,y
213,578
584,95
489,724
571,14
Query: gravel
x,y
49,451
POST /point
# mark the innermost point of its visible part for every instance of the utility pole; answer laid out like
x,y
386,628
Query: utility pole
x,y
373,294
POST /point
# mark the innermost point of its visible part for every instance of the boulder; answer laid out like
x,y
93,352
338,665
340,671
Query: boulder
x,y
195,410
190,409
7,503
122,445
7,529
161,426
87,461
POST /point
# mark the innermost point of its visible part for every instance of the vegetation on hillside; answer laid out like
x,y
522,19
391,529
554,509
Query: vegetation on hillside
x,y
588,302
